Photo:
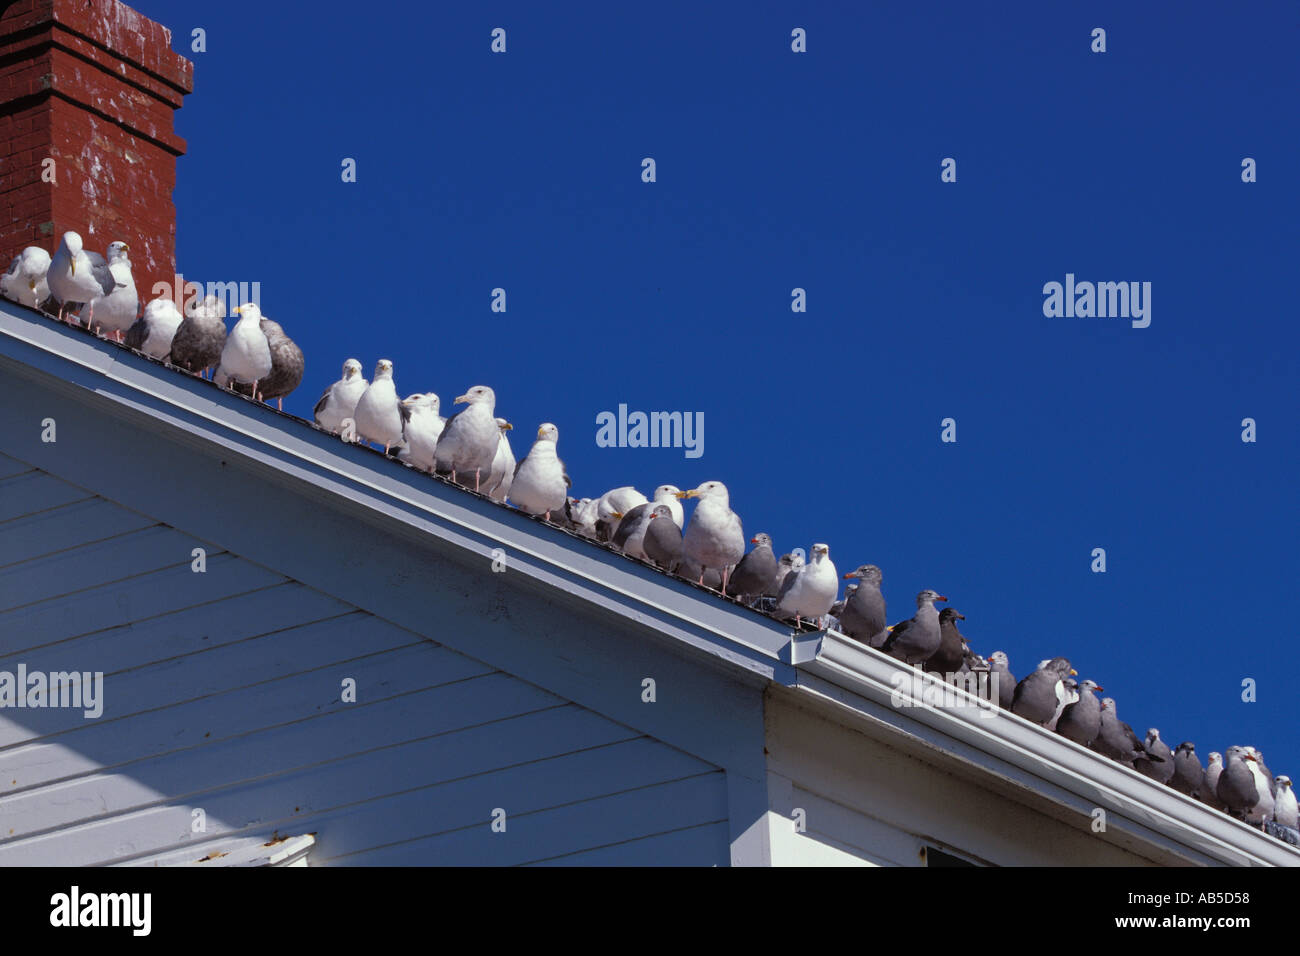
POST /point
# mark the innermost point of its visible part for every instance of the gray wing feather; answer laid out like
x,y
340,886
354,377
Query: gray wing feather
x,y
102,273
320,406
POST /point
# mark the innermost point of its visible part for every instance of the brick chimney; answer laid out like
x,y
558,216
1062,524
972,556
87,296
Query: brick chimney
x,y
91,85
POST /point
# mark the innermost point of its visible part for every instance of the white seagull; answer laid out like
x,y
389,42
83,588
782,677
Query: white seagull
x,y
153,332
714,539
379,415
470,439
25,282
540,484
246,356
76,275
420,430
811,590
340,400
115,311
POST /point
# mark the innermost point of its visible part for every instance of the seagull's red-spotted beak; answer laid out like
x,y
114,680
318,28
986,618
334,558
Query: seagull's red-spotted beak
x,y
941,598
753,541
1073,672
1100,690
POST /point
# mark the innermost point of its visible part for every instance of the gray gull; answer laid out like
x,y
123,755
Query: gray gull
x,y
470,438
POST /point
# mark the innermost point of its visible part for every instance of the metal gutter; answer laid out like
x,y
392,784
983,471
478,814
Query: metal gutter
x,y
836,669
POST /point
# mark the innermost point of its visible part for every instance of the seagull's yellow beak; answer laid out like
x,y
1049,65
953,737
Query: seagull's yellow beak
x,y
1073,672
73,268
541,432
126,247
239,310
687,494
461,400
507,427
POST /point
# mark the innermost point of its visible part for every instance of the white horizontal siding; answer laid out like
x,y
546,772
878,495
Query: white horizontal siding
x,y
865,799
222,691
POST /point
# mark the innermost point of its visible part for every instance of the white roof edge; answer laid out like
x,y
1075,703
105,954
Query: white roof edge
x,y
860,678
125,384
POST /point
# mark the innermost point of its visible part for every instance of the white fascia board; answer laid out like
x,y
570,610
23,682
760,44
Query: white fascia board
x,y
853,676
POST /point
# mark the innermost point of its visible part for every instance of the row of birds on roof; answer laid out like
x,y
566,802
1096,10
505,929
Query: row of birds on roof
x,y
472,448
255,357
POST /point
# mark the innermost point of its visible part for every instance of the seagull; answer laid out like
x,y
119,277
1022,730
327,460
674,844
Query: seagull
x,y
1037,696
1268,774
470,439
755,575
421,427
115,310
864,618
714,539
710,578
786,565
200,337
25,282
1284,804
77,276
584,516
914,641
1189,775
1209,789
1000,665
1071,687
811,591
379,415
1161,770
246,356
1262,811
153,332
286,366
630,534
612,506
952,646
340,400
663,539
502,474
540,484
1081,720
1116,739
1236,788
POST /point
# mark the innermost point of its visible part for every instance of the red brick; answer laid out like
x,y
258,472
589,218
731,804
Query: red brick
x,y
87,83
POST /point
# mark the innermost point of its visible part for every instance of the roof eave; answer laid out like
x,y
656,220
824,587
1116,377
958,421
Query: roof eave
x,y
836,669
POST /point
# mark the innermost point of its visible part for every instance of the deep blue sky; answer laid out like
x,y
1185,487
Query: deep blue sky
x,y
821,170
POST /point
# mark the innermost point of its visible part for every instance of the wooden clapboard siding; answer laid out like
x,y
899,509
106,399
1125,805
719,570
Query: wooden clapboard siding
x,y
865,802
223,691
